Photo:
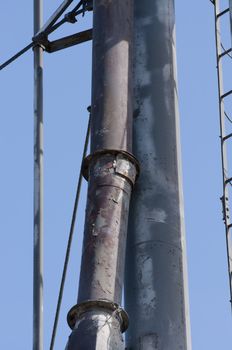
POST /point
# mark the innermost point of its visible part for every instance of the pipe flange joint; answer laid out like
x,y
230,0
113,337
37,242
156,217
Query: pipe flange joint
x,y
121,168
77,311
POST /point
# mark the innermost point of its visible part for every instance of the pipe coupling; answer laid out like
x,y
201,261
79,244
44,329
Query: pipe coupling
x,y
119,162
78,311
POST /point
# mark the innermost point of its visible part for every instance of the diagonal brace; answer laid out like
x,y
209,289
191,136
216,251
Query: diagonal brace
x,y
53,19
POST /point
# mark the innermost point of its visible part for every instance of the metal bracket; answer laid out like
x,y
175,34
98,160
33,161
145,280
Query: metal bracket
x,y
53,19
50,25
65,42
223,208
41,38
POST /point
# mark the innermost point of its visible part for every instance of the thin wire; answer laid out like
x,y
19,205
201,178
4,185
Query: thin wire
x,y
66,261
54,17
230,120
56,26
78,6
74,12
17,55
65,19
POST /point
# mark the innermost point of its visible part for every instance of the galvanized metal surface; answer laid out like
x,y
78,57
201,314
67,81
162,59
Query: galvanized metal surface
x,y
111,175
98,329
156,294
38,186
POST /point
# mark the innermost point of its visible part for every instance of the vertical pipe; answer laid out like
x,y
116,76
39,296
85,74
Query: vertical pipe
x,y
38,186
156,295
98,320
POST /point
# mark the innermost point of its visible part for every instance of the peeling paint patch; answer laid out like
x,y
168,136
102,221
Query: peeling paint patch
x,y
149,342
102,131
157,215
148,295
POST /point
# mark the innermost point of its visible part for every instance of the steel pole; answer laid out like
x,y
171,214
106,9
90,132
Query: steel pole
x,y
98,320
156,292
38,186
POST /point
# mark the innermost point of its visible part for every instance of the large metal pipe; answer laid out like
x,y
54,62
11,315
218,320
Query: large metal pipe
x,y
156,292
38,185
98,320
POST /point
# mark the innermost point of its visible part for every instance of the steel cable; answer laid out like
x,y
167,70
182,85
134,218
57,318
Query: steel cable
x,y
230,120
17,55
71,232
64,20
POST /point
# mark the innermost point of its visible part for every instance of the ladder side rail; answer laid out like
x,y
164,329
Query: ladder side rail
x,y
224,162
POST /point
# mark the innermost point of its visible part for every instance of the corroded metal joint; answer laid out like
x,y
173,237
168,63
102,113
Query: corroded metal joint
x,y
78,312
118,162
41,40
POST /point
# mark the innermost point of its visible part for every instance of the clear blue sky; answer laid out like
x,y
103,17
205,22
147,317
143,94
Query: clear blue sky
x,y
66,96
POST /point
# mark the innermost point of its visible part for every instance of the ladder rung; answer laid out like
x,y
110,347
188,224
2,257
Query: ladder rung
x,y
226,52
227,137
228,181
226,94
223,12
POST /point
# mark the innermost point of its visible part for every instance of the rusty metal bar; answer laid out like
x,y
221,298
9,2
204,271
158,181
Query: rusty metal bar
x,y
38,185
69,41
98,320
156,290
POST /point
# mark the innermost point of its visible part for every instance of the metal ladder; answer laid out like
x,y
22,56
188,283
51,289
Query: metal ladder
x,y
225,135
